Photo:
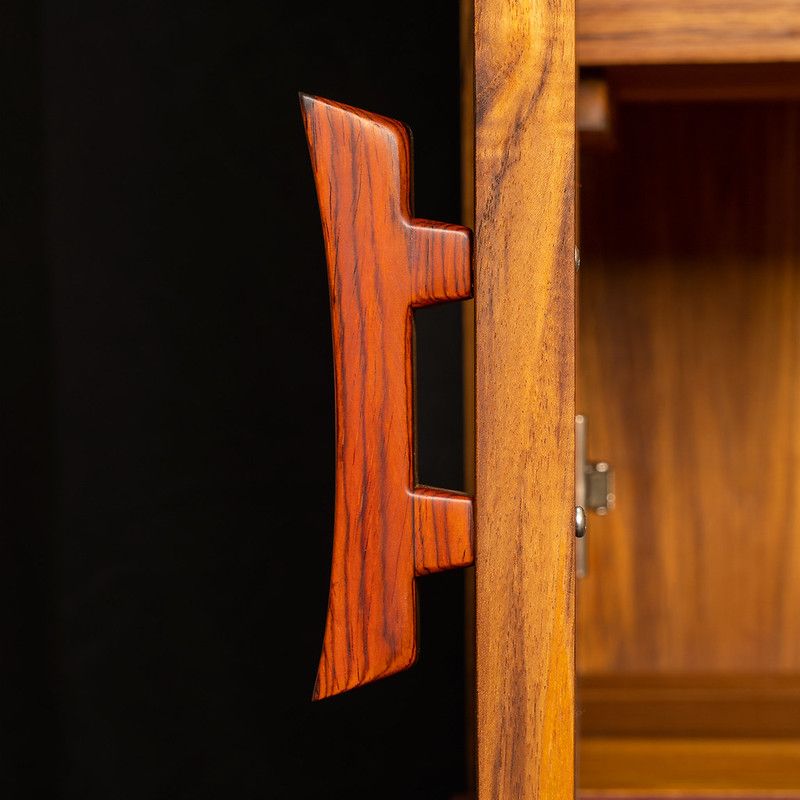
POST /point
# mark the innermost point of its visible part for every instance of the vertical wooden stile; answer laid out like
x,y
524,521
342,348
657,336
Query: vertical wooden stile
x,y
525,404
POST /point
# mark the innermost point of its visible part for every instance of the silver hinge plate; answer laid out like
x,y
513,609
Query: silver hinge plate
x,y
594,488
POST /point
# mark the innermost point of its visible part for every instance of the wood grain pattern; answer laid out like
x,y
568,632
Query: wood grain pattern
x,y
687,31
382,262
691,767
525,410
701,705
690,377
443,530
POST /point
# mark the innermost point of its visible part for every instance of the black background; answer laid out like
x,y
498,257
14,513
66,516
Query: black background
x,y
167,431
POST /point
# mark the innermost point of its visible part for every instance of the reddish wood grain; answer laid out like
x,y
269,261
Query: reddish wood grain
x,y
442,530
381,264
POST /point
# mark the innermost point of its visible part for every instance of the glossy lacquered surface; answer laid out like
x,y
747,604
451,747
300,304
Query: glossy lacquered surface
x,y
382,262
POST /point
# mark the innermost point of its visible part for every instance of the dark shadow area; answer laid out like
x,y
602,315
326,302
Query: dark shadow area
x,y
167,452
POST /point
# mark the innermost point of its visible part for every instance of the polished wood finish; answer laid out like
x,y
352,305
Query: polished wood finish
x,y
700,706
525,411
382,262
687,31
690,378
443,530
690,767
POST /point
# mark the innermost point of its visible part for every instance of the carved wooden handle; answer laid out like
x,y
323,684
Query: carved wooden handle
x,y
381,263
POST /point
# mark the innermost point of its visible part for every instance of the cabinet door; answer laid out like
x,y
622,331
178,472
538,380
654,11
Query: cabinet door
x,y
383,262
525,263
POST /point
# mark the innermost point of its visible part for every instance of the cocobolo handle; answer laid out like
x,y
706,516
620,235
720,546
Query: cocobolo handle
x,y
382,263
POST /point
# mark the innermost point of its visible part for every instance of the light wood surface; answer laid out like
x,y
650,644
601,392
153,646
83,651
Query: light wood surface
x,y
687,31
525,412
690,378
382,262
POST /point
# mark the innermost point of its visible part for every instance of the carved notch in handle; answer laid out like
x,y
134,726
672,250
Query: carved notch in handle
x,y
381,264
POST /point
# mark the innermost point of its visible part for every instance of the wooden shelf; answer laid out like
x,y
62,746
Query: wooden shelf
x,y
658,767
687,31
728,735
709,706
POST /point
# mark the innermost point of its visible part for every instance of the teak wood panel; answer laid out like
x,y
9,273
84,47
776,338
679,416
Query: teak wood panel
x,y
690,377
382,262
687,31
525,410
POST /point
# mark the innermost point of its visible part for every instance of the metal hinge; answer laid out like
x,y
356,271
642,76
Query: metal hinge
x,y
594,491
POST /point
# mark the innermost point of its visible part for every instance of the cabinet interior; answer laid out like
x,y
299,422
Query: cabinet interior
x,y
688,641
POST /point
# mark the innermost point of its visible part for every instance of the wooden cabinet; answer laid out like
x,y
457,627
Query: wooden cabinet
x,y
688,637
687,668
688,370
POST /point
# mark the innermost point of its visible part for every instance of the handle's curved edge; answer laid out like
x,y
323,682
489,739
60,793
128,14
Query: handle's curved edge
x,y
381,264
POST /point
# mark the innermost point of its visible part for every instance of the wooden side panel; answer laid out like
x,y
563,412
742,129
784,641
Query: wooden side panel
x,y
687,31
381,263
525,410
